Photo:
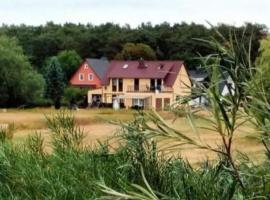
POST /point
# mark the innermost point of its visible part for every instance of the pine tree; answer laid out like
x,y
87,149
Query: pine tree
x,y
55,82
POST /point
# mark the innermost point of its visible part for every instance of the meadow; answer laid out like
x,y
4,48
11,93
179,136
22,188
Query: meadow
x,y
98,126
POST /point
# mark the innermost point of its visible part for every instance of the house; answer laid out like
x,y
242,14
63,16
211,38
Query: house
x,y
199,77
90,73
143,84
226,83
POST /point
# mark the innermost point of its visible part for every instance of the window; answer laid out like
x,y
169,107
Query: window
x,y
152,84
120,85
159,82
81,77
90,77
136,84
114,84
137,103
167,102
85,66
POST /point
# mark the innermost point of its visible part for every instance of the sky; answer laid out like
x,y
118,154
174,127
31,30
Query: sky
x,y
134,12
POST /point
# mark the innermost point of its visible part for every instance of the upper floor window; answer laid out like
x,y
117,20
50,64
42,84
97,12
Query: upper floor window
x,y
117,84
159,83
85,66
90,77
81,77
114,84
155,84
120,85
136,84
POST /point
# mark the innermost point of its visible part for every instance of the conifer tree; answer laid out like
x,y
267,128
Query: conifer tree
x,y
55,82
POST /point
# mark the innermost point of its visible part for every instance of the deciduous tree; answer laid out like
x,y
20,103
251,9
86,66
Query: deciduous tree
x,y
133,51
19,83
69,61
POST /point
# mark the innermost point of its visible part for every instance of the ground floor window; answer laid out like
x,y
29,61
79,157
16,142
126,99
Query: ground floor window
x,y
137,103
167,102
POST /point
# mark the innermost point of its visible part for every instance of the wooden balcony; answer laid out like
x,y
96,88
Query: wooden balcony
x,y
148,89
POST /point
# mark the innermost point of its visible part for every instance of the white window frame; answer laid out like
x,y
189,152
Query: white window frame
x,y
138,102
85,66
81,76
90,75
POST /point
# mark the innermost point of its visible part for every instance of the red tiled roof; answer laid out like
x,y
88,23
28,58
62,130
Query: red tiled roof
x,y
166,70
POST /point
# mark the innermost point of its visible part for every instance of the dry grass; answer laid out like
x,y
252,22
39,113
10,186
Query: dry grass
x,y
33,119
246,141
97,127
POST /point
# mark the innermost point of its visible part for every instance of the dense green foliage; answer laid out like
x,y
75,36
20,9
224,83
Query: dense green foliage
x,y
20,84
69,61
169,41
133,51
263,66
74,95
72,171
54,82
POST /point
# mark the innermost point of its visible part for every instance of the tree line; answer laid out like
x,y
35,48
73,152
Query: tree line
x,y
38,48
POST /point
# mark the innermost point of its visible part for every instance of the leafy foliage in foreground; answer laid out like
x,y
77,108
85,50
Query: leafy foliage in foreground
x,y
133,171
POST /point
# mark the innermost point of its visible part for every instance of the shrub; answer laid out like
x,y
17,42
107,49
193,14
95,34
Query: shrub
x,y
74,95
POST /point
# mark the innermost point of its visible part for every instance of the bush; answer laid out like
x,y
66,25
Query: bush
x,y
73,95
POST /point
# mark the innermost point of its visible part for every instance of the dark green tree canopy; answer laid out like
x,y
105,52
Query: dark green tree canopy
x,y
69,61
20,84
133,51
175,41
55,81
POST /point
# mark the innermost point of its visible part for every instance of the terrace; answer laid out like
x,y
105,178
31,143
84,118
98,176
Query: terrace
x,y
148,89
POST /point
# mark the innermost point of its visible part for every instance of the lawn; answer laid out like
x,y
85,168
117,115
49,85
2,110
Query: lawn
x,y
96,125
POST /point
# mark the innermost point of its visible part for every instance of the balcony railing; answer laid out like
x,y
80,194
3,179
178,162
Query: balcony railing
x,y
147,88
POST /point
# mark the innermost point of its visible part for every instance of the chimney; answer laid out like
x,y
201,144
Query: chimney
x,y
141,63
160,66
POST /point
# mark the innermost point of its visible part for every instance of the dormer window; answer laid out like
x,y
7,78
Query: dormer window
x,y
81,77
90,77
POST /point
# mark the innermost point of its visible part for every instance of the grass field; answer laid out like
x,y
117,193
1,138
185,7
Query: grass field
x,y
96,125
